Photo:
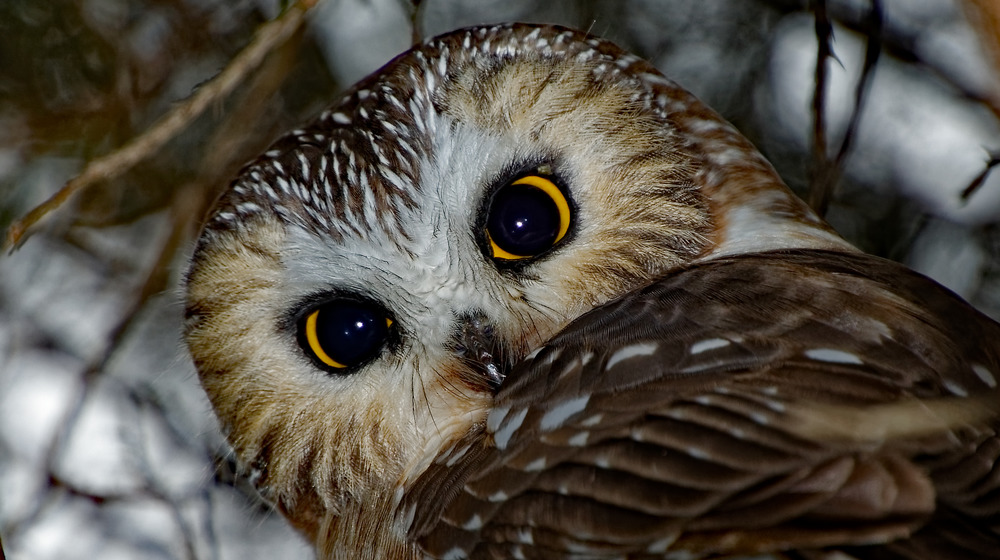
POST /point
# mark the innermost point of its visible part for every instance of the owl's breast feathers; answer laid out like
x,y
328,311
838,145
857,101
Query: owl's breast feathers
x,y
795,399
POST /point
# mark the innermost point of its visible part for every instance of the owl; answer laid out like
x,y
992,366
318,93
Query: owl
x,y
518,295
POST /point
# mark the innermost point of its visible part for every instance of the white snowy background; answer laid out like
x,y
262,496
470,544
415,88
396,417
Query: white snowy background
x,y
107,446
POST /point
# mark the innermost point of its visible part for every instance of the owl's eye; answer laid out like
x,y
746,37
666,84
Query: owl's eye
x,y
344,333
526,218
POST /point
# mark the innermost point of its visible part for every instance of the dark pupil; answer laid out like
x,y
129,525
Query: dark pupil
x,y
523,220
350,332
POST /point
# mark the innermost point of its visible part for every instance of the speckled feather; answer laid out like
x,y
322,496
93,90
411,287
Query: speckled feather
x,y
680,417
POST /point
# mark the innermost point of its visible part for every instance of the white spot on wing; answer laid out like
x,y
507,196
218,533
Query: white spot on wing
x,y
536,465
455,554
879,328
502,436
708,344
833,356
457,456
697,453
579,440
443,456
660,546
632,351
573,366
558,415
473,524
955,389
499,496
495,417
985,374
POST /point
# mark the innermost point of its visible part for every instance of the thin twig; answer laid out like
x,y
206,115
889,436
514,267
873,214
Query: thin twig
x,y
873,48
978,181
827,172
824,33
984,16
267,38
416,21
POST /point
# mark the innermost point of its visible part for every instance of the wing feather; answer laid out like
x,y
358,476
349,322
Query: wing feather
x,y
690,416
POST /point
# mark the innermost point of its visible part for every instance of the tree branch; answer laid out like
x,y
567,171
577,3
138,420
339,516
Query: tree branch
x,y
267,38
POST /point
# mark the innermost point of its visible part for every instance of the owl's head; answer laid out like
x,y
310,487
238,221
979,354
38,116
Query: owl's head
x,y
359,293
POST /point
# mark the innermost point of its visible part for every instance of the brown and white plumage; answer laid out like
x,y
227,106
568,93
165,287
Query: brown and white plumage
x,y
698,366
683,416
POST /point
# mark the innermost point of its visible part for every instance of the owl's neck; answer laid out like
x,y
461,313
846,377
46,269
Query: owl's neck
x,y
766,219
751,207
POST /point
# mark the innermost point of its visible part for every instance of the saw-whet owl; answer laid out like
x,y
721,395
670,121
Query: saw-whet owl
x,y
518,295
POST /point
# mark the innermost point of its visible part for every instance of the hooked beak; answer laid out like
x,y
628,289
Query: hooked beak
x,y
475,341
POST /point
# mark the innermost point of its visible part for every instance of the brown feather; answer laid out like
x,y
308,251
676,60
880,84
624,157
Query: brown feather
x,y
714,403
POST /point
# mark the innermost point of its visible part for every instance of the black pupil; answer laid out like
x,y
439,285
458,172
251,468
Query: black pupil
x,y
523,220
351,332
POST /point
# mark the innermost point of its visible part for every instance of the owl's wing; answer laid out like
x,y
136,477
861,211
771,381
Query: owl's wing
x,y
756,403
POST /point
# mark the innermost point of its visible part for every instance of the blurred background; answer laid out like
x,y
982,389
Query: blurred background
x,y
108,448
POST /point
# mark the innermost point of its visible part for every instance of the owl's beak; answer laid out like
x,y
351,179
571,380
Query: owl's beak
x,y
476,343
